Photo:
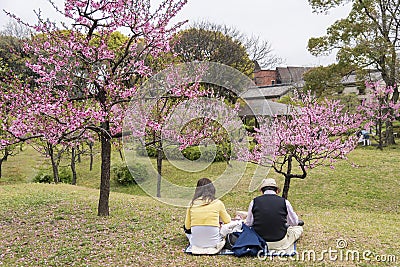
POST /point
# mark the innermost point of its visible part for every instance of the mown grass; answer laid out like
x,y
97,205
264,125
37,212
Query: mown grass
x,y
56,225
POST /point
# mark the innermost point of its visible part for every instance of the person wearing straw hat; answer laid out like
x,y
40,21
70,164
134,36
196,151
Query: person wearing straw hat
x,y
273,218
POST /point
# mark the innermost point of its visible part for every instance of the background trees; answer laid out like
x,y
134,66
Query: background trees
x,y
367,38
325,81
150,112
257,49
84,83
202,44
224,44
12,54
175,112
13,73
379,108
206,41
207,45
311,135
8,141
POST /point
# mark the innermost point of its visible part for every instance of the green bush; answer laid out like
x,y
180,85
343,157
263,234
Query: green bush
x,y
191,153
250,129
151,151
223,152
42,177
194,153
64,175
123,176
250,124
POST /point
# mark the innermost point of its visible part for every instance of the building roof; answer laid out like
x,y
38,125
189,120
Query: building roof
x,y
263,107
267,92
351,79
291,74
257,98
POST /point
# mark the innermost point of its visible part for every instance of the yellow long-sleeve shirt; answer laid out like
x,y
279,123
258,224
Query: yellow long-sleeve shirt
x,y
206,214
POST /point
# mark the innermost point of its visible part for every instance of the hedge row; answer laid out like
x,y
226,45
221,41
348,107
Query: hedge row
x,y
222,153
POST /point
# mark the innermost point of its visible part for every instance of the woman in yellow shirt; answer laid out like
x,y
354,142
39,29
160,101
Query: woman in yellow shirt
x,y
204,215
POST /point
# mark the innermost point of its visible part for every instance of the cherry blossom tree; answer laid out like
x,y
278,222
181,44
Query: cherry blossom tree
x,y
28,117
155,114
178,112
84,84
379,108
311,135
9,143
8,147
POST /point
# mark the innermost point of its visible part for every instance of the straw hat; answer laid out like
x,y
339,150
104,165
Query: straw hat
x,y
268,182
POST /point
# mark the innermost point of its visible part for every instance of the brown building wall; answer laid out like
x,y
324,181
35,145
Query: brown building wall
x,y
265,77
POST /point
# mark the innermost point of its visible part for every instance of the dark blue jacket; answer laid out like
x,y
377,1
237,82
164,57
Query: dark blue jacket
x,y
249,243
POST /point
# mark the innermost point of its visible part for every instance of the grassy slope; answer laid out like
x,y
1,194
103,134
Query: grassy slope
x,y
56,225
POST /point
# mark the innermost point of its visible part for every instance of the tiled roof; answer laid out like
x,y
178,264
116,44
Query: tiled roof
x,y
291,74
350,79
267,92
263,107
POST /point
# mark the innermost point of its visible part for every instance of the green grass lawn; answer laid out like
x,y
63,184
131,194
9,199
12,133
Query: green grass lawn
x,y
56,225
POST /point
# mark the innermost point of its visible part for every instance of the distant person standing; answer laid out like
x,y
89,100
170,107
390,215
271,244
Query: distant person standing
x,y
365,135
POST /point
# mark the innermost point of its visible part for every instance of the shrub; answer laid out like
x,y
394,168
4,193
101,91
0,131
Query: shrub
x,y
123,176
249,128
42,177
64,175
151,151
192,153
223,152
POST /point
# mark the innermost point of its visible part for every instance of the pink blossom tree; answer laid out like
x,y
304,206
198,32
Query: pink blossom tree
x,y
379,108
39,119
176,111
84,84
9,142
156,112
311,135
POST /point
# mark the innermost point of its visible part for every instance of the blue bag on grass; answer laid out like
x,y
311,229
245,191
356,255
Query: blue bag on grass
x,y
249,243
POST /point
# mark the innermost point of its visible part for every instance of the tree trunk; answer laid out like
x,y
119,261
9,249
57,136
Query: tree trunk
x,y
390,80
4,158
54,164
380,144
159,168
120,154
389,137
285,192
1,163
103,208
73,168
91,156
79,156
379,134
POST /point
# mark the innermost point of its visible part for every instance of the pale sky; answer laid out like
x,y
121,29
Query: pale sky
x,y
286,24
